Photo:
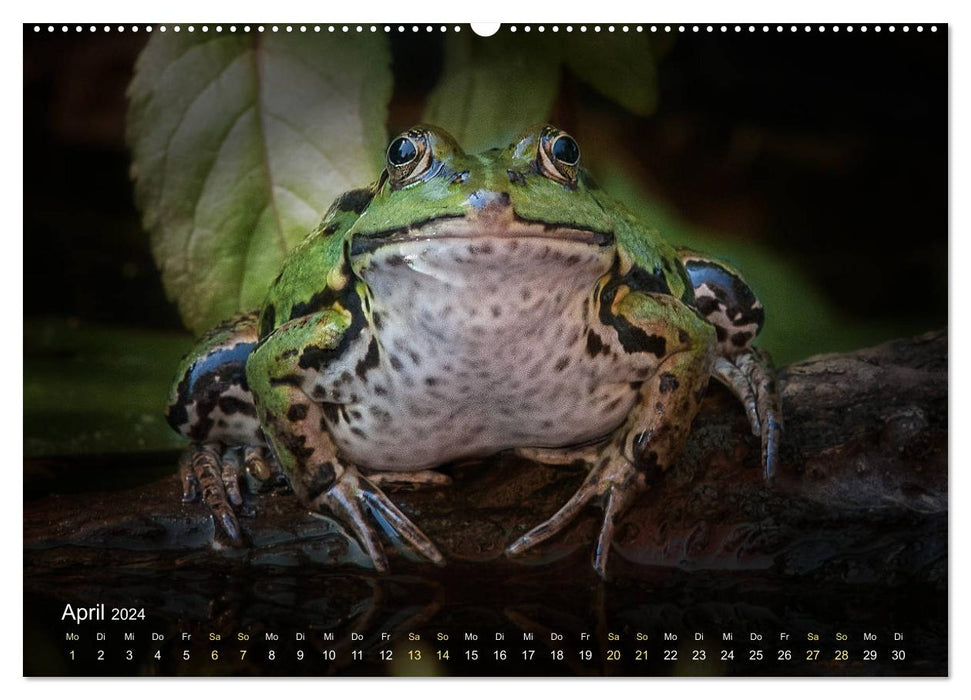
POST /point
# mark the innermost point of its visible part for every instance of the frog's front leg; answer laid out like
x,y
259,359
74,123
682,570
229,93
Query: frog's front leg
x,y
283,372
671,350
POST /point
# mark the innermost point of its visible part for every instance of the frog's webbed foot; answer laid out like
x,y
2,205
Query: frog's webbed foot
x,y
351,496
749,375
615,483
215,472
408,480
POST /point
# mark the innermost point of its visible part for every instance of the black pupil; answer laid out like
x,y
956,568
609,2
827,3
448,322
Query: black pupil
x,y
402,150
566,150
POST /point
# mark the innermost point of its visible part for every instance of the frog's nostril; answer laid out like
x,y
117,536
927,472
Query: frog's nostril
x,y
480,199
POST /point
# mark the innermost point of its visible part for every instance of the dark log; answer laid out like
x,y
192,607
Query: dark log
x,y
861,494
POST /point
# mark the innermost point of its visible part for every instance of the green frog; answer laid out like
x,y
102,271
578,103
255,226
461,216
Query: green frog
x,y
460,306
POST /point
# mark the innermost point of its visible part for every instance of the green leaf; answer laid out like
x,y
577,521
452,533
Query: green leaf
x,y
620,66
240,143
492,88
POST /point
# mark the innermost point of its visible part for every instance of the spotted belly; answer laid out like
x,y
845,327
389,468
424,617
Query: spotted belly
x,y
444,407
469,362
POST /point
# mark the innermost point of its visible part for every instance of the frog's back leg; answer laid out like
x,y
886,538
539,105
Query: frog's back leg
x,y
211,400
730,305
211,404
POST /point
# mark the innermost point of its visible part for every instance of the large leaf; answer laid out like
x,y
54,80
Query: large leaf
x,y
240,143
493,87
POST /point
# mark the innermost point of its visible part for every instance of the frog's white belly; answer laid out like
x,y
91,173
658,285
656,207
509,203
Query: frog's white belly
x,y
483,346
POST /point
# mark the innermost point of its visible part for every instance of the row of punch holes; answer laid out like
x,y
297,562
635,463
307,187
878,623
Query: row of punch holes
x,y
414,28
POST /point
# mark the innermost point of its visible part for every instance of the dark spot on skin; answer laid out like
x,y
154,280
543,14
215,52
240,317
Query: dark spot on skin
x,y
636,386
376,318
740,339
230,405
706,305
380,390
369,361
516,178
431,381
286,354
395,362
659,407
496,311
395,260
357,431
318,479
526,294
346,377
647,460
221,423
667,383
297,412
612,405
296,445
562,363
318,393
595,345
415,357
683,336
330,413
267,320
721,333
287,380
572,260
354,201
380,414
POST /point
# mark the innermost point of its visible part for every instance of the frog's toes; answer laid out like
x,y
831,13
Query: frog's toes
x,y
749,375
353,494
204,472
409,480
218,474
615,482
262,467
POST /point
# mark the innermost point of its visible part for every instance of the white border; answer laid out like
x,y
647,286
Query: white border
x,y
566,11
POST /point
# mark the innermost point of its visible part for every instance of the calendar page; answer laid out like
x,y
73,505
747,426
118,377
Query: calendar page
x,y
547,350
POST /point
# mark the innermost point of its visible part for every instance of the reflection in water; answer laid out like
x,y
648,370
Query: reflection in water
x,y
319,621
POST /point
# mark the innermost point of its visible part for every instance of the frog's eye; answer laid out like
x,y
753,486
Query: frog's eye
x,y
401,152
559,156
409,158
565,150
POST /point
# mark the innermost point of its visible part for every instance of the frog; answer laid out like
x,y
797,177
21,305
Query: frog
x,y
462,306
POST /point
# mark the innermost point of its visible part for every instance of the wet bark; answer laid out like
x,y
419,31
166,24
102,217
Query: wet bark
x,y
861,495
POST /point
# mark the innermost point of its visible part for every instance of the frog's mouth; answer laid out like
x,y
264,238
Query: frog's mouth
x,y
481,225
